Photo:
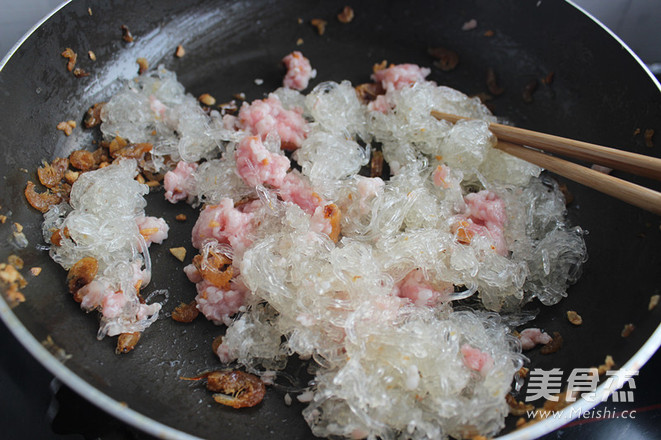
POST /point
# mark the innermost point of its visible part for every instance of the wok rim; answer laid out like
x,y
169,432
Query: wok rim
x,y
160,430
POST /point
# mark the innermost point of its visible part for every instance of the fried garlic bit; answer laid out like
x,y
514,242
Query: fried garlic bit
x,y
234,388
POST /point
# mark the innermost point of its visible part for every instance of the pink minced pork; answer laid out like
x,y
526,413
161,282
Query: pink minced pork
x,y
268,115
225,224
476,360
218,305
530,337
299,71
153,229
418,290
296,190
486,216
257,166
400,76
179,182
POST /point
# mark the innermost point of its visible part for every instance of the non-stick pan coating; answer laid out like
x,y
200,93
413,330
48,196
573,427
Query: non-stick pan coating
x,y
599,93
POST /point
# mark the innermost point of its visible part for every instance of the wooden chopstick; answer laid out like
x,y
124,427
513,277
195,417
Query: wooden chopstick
x,y
628,192
611,157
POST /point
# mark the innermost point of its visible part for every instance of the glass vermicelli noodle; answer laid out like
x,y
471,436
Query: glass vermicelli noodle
x,y
301,254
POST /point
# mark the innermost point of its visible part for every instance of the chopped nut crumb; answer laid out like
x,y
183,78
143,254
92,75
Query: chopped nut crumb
x,y
179,253
36,270
346,16
144,65
379,66
3,219
606,366
181,217
66,126
574,317
15,261
18,227
140,178
180,52
627,330
207,99
185,312
523,372
89,11
554,345
126,34
654,301
299,42
92,55
319,24
151,183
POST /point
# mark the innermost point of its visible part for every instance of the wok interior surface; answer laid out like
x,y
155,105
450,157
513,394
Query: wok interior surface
x,y
599,94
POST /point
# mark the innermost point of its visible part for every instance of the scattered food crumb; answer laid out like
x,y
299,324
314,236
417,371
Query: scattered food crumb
x,y
35,270
54,349
319,24
150,183
80,73
520,422
649,133
523,372
15,261
305,396
71,56
3,219
92,55
548,79
574,317
179,253
89,11
259,81
469,25
240,96
18,227
554,345
517,408
185,312
299,20
489,33
636,132
299,42
447,59
606,366
144,65
67,127
287,399
492,83
346,15
207,99
181,217
627,330
126,34
11,281
528,90
654,301
180,52
216,343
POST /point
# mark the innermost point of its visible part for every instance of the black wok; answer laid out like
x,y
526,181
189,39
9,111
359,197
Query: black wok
x,y
600,93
